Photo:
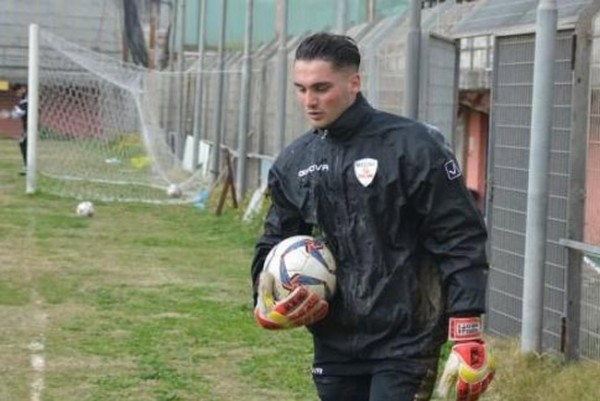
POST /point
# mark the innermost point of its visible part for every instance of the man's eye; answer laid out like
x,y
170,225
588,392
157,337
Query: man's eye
x,y
321,88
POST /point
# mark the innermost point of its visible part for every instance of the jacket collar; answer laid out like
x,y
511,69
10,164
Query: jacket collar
x,y
350,121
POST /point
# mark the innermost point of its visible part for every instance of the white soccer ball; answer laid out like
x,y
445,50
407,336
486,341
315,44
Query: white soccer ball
x,y
85,209
302,260
174,191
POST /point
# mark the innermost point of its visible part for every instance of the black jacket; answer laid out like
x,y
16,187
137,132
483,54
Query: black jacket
x,y
409,240
22,105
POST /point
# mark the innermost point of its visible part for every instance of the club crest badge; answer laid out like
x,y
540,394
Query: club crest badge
x,y
452,170
365,170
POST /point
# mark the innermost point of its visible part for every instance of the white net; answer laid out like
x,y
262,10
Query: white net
x,y
110,130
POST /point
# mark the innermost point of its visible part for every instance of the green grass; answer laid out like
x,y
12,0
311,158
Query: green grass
x,y
140,302
146,302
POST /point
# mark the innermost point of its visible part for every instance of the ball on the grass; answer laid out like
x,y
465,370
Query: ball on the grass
x,y
174,191
302,260
85,209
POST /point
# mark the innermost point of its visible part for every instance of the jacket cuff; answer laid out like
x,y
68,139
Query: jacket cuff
x,y
465,329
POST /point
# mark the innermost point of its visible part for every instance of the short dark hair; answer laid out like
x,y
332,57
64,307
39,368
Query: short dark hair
x,y
340,50
16,87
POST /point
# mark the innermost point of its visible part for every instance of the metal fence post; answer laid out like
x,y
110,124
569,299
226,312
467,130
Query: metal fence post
x,y
282,66
537,193
180,109
371,10
341,16
412,54
199,84
244,122
216,154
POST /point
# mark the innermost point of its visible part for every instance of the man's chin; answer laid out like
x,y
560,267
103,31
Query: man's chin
x,y
318,123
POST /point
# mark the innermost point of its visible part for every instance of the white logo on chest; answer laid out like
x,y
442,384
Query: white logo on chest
x,y
312,169
365,170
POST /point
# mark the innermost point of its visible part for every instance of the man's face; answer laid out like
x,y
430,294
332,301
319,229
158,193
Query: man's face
x,y
324,92
21,91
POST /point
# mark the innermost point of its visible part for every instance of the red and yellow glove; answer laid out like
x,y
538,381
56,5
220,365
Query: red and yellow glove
x,y
301,307
471,365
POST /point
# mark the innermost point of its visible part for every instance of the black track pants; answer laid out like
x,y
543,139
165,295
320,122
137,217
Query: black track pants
x,y
23,146
386,385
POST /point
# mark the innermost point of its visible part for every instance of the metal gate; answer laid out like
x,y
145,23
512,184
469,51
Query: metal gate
x,y
510,128
439,83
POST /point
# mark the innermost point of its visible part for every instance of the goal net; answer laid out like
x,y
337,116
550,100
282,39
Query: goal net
x,y
109,131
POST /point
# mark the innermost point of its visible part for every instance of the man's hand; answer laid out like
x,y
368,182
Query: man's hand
x,y
4,114
471,365
301,307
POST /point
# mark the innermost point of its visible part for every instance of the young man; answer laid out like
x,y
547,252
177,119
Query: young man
x,y
408,240
19,111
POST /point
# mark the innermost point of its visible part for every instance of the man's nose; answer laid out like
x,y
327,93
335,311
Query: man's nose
x,y
310,100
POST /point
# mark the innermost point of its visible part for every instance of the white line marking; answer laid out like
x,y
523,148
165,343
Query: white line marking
x,y
38,363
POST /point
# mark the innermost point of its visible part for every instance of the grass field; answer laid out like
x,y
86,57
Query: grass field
x,y
146,302
138,303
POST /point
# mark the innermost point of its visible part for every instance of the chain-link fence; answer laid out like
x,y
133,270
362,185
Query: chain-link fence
x,y
382,48
509,160
571,316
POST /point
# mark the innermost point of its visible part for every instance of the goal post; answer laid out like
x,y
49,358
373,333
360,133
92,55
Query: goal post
x,y
32,107
105,128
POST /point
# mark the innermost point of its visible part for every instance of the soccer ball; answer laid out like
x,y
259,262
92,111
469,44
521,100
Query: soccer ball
x,y
301,260
85,209
174,191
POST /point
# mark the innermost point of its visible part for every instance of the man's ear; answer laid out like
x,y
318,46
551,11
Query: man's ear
x,y
354,83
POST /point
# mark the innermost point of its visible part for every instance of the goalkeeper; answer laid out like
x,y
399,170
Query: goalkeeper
x,y
389,198
19,111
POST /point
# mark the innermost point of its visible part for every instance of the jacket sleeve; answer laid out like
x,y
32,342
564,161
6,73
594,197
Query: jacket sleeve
x,y
451,227
18,111
283,220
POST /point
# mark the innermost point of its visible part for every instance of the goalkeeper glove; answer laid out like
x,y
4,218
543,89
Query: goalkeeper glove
x,y
301,307
471,365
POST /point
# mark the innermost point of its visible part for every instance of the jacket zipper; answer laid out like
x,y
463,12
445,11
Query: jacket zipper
x,y
339,187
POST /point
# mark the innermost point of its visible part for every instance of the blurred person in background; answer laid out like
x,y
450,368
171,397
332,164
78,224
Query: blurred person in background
x,y
19,111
